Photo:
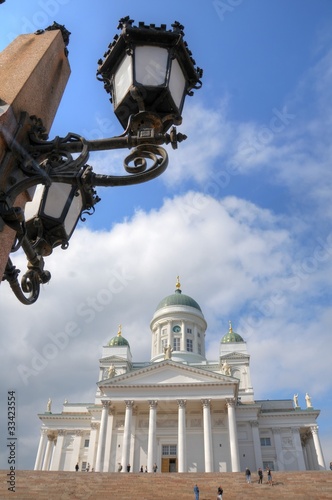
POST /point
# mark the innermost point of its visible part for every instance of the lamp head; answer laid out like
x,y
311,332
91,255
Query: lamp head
x,y
148,68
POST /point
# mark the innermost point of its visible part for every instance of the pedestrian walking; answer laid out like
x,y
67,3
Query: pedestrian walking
x,y
77,467
269,476
260,476
248,475
220,492
196,491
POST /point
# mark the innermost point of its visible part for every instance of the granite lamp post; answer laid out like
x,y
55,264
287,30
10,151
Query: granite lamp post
x,y
148,72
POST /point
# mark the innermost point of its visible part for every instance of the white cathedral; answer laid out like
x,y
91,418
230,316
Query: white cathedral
x,y
179,412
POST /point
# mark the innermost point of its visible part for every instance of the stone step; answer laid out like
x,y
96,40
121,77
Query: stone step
x,y
48,485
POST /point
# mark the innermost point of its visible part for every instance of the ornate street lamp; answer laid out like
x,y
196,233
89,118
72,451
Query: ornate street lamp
x,y
148,71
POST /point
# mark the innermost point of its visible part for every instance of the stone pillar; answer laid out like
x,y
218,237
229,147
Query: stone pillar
x,y
182,444
318,448
41,450
48,453
102,436
158,347
126,435
278,448
34,74
78,434
152,435
298,448
208,453
133,438
305,455
58,450
169,335
92,445
257,444
233,440
108,441
311,455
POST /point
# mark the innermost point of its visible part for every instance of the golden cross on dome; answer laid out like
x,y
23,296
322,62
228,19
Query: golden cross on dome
x,y
119,331
178,284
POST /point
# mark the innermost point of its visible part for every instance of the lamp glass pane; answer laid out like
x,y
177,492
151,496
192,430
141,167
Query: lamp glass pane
x,y
31,209
56,199
150,65
177,83
123,79
73,214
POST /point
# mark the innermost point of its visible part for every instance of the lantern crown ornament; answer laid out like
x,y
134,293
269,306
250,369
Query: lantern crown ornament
x,y
149,69
148,72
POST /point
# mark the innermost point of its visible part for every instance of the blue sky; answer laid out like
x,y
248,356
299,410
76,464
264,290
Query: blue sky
x,y
242,214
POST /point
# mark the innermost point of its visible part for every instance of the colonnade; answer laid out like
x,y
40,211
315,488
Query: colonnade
x,y
102,464
308,451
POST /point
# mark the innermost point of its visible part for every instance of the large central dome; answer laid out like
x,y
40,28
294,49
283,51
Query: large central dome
x,y
178,299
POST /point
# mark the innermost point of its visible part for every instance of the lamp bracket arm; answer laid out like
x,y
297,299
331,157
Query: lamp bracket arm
x,y
144,163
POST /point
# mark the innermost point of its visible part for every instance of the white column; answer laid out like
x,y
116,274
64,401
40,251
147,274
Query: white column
x,y
298,448
208,456
305,455
126,435
158,332
76,450
169,336
278,448
102,436
152,435
92,445
41,450
108,441
311,454
233,441
58,450
48,452
182,444
318,448
133,436
257,444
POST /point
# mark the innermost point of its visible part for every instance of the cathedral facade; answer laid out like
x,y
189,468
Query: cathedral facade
x,y
179,412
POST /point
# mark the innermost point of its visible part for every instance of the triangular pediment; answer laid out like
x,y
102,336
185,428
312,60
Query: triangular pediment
x,y
235,355
167,373
113,359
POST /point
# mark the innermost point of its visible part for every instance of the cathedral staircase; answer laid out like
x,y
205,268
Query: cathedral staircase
x,y
37,485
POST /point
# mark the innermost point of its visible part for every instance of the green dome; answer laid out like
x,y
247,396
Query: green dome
x,y
231,336
178,299
118,340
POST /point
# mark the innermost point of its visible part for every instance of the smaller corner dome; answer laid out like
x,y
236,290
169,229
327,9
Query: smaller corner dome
x,y
178,299
118,340
231,336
